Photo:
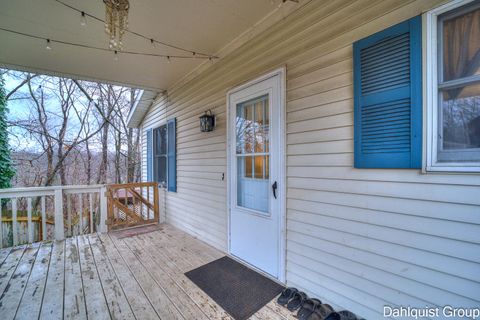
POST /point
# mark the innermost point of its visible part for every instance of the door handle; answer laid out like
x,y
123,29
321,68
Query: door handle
x,y
274,189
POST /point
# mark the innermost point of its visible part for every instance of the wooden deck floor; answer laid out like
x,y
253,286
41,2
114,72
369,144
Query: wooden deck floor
x,y
103,276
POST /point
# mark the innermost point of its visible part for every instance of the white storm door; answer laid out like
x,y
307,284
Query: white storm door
x,y
254,162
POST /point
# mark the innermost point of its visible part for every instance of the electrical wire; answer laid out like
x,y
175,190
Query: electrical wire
x,y
117,52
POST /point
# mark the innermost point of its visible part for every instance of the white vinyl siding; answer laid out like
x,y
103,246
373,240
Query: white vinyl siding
x,y
201,161
356,238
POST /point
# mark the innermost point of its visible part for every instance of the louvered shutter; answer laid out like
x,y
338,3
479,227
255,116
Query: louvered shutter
x,y
149,155
388,97
171,155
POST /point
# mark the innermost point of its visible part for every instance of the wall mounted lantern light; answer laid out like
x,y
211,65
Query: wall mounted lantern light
x,y
207,121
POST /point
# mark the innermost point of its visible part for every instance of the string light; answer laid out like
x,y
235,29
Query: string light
x,y
152,42
204,55
115,56
50,42
272,2
168,59
83,19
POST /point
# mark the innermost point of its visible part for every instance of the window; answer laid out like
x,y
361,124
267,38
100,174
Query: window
x,y
161,161
453,87
253,153
160,155
252,137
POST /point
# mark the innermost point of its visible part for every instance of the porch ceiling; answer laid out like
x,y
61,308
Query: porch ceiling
x,y
202,26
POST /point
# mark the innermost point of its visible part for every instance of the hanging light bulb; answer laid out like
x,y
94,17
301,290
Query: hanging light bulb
x,y
168,59
83,19
115,57
152,42
49,45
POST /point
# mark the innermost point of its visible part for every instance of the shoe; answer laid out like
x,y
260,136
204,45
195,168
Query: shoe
x,y
286,295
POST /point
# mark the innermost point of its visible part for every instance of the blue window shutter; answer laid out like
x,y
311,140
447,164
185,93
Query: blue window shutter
x,y
172,155
149,155
388,97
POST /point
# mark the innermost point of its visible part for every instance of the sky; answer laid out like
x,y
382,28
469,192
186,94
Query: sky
x,y
18,109
21,109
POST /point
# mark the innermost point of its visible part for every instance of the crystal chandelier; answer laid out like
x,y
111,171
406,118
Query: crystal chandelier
x,y
116,21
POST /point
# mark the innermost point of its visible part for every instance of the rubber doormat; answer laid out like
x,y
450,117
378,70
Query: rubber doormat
x,y
238,289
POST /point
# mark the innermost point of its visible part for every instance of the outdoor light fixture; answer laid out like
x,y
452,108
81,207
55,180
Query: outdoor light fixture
x,y
116,21
207,121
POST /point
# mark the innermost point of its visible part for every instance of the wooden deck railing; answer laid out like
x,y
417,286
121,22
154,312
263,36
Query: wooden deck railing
x,y
73,209
53,213
132,204
40,227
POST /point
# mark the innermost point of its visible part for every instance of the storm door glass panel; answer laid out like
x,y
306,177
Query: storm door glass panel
x,y
252,152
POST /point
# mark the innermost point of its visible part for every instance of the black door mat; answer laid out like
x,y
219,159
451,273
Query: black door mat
x,y
236,288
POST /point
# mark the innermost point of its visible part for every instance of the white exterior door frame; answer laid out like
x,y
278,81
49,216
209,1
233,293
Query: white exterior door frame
x,y
280,124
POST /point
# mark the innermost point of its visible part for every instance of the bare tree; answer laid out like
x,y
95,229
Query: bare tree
x,y
85,130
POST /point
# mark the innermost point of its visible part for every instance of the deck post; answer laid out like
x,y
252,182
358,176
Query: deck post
x,y
59,231
156,206
14,222
44,219
103,210
29,220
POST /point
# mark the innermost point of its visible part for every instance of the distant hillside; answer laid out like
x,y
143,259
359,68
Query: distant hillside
x,y
32,168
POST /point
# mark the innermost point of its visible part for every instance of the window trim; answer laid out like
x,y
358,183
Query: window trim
x,y
154,178
431,112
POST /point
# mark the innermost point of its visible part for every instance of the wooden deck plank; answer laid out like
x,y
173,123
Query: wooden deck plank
x,y
141,306
194,245
94,297
159,255
179,298
99,276
154,292
116,300
74,307
284,312
170,247
4,253
31,302
191,251
267,313
52,305
12,295
9,265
